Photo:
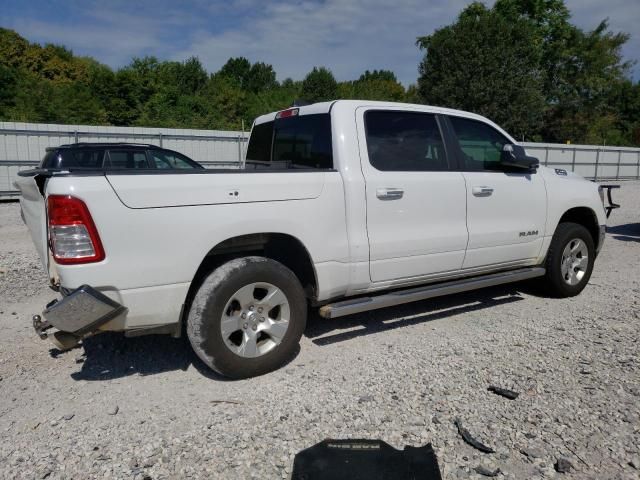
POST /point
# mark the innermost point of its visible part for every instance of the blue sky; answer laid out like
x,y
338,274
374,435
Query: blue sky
x,y
347,36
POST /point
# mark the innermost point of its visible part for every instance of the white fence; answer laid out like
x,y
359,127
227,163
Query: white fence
x,y
590,161
22,146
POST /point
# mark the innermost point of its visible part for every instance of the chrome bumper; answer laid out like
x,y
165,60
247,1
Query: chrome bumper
x,y
81,313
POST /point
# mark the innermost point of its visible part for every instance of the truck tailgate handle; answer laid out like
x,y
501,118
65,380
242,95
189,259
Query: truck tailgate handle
x,y
482,191
389,193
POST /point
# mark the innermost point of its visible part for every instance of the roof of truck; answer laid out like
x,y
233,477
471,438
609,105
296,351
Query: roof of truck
x,y
352,105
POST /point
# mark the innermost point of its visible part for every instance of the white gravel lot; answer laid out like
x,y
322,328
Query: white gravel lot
x,y
146,408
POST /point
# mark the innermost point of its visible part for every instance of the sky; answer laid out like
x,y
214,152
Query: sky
x,y
347,36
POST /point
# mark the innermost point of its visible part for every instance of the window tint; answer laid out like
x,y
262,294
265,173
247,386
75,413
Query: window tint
x,y
50,160
404,141
259,149
298,142
169,160
125,159
480,143
81,158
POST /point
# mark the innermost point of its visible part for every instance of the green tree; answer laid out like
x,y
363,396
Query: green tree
x,y
385,75
236,71
8,90
319,85
487,64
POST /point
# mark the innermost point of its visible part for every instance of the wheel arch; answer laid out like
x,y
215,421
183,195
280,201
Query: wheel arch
x,y
281,247
586,217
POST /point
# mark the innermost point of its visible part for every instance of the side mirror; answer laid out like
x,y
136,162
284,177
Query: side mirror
x,y
514,156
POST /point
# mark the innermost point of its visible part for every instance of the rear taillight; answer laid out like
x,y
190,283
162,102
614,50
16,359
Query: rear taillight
x,y
73,237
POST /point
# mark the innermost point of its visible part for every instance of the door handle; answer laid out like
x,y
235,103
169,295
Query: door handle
x,y
482,191
389,193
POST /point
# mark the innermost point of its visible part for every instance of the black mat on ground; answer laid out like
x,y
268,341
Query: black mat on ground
x,y
365,459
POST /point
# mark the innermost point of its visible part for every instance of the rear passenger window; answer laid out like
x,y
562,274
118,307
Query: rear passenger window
x,y
296,142
127,159
404,141
81,158
481,144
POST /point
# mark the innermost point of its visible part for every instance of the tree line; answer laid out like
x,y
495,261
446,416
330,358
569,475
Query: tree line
x,y
522,63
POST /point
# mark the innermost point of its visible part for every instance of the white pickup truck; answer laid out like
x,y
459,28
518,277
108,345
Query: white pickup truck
x,y
347,206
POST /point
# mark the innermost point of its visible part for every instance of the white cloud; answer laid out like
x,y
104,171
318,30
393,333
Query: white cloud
x,y
346,36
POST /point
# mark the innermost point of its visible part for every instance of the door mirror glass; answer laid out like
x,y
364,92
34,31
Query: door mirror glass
x,y
514,156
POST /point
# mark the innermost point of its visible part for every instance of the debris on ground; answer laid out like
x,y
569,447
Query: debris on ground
x,y
486,472
563,465
503,392
467,437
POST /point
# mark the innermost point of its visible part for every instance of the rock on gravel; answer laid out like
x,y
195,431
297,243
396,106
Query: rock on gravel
x,y
431,360
563,465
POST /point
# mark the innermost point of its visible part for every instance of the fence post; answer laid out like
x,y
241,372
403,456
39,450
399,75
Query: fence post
x,y
597,160
573,160
618,167
75,135
638,168
239,150
160,138
546,156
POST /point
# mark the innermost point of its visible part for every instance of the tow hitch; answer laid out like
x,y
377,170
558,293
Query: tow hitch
x,y
76,316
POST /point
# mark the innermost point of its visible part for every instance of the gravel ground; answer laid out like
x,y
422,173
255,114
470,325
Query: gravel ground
x,y
146,408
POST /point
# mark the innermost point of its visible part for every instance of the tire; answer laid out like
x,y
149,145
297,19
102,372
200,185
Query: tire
x,y
247,317
568,271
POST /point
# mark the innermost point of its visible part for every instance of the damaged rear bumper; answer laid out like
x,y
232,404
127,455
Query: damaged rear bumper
x,y
79,313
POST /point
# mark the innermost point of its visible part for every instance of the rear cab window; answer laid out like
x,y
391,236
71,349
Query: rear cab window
x,y
292,143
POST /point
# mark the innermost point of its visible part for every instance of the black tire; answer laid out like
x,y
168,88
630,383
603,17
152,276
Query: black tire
x,y
206,313
555,283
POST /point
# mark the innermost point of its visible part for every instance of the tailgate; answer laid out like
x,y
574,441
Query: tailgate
x,y
34,214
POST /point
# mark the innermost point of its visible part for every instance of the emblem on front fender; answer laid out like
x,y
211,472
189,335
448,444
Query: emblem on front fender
x,y
529,233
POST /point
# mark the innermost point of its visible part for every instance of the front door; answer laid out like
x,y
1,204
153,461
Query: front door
x,y
506,210
416,207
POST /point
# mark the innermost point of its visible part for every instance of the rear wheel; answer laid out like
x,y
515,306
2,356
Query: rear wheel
x,y
247,317
570,260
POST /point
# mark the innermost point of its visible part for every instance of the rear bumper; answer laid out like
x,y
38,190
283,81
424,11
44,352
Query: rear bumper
x,y
80,313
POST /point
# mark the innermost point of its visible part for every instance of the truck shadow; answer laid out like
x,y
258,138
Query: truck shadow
x,y
326,332
628,232
111,356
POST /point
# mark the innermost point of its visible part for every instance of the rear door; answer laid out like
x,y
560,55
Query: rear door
x,y
416,209
506,210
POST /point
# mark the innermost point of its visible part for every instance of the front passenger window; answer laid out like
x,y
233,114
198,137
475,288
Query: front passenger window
x,y
127,159
480,143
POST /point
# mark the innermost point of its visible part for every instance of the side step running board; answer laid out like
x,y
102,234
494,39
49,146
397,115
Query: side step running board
x,y
363,304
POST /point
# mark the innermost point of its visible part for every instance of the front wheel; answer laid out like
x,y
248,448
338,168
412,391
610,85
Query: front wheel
x,y
570,260
247,317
